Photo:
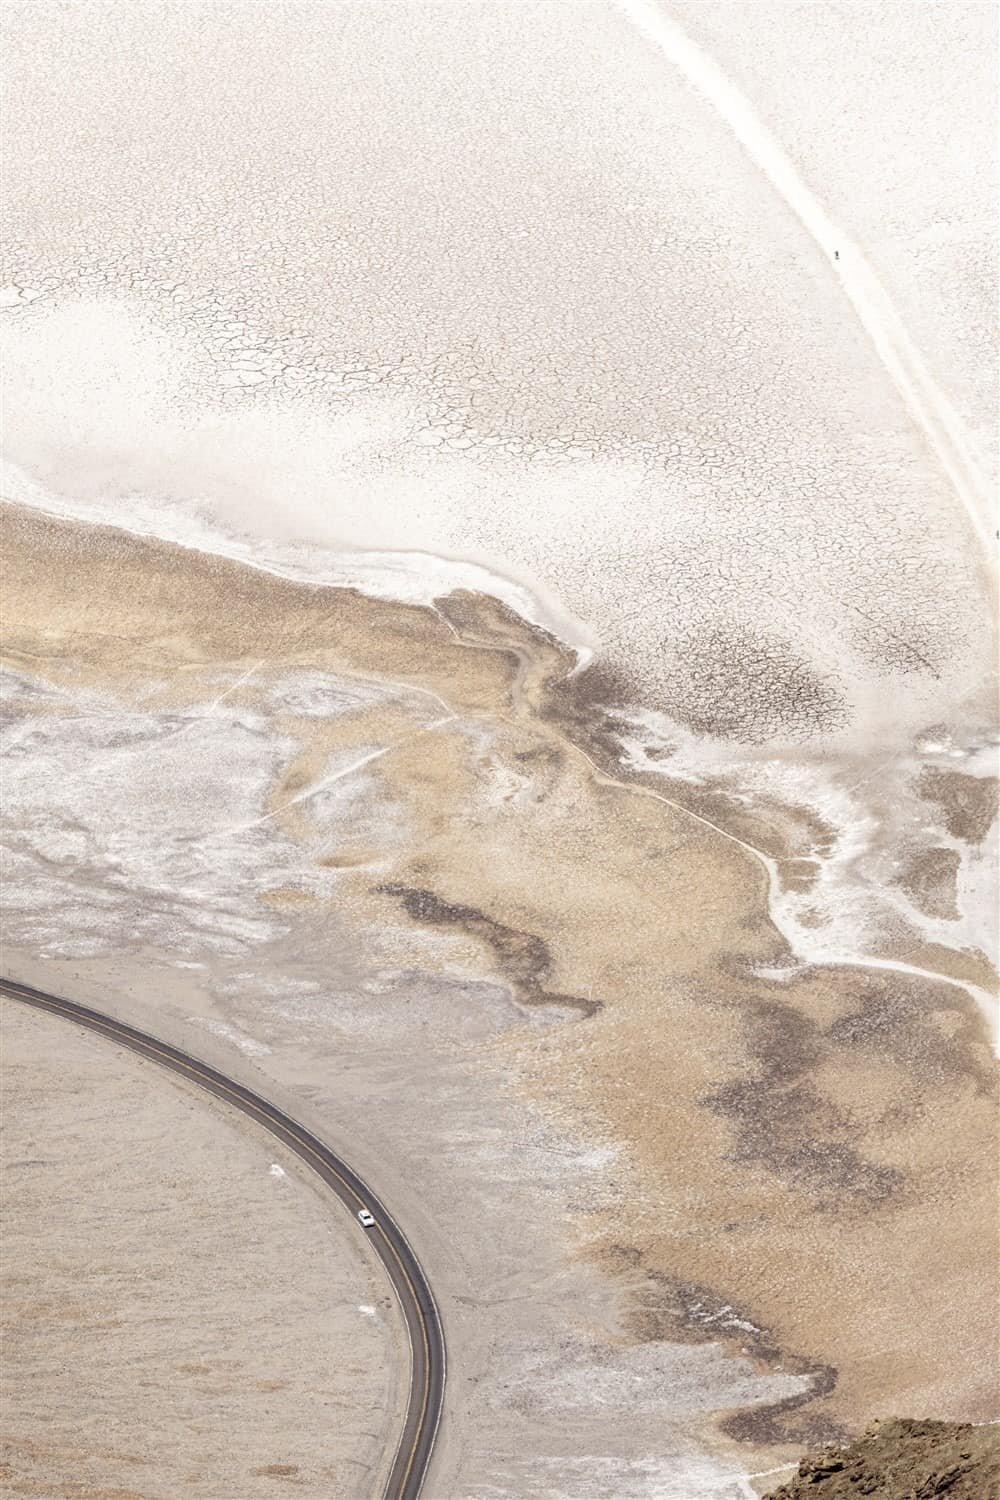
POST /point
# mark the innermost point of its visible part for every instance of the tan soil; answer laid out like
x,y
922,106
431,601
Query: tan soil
x,y
803,1161
969,803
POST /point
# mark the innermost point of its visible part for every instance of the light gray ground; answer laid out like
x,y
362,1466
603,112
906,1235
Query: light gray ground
x,y
489,1196
185,1312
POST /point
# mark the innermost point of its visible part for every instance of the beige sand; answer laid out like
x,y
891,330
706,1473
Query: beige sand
x,y
803,1164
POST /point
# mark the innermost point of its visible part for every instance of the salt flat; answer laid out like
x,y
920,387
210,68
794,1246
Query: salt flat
x,y
499,642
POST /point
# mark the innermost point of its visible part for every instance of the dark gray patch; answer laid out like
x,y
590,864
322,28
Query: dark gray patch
x,y
782,1123
589,706
789,1131
523,958
748,686
666,1308
540,755
929,877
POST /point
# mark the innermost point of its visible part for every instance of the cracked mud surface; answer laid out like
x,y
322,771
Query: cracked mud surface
x,y
495,655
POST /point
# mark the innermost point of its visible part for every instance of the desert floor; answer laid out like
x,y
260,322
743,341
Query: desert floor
x,y
496,639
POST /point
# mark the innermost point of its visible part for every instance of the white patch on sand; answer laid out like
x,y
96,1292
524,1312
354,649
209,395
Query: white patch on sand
x,y
675,1478
246,1045
127,827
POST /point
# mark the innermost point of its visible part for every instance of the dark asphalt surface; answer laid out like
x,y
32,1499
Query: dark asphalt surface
x,y
423,1323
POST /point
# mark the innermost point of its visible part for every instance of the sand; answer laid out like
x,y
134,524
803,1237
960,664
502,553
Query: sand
x,y
494,617
385,836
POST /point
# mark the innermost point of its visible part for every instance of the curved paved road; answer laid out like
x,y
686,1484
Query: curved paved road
x,y
420,1313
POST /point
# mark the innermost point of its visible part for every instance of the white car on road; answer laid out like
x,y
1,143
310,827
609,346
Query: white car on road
x,y
366,1218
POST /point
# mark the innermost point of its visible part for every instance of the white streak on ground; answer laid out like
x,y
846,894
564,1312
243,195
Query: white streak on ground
x,y
356,765
777,908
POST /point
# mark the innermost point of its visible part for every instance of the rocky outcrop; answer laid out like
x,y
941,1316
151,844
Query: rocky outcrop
x,y
903,1460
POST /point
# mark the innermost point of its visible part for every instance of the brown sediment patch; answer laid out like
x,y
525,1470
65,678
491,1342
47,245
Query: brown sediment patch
x,y
969,803
816,1153
480,621
522,958
285,896
856,1195
839,1068
799,874
928,877
787,1155
89,603
347,859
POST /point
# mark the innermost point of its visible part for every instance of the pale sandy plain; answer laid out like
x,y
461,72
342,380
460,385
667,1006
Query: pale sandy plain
x,y
499,658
